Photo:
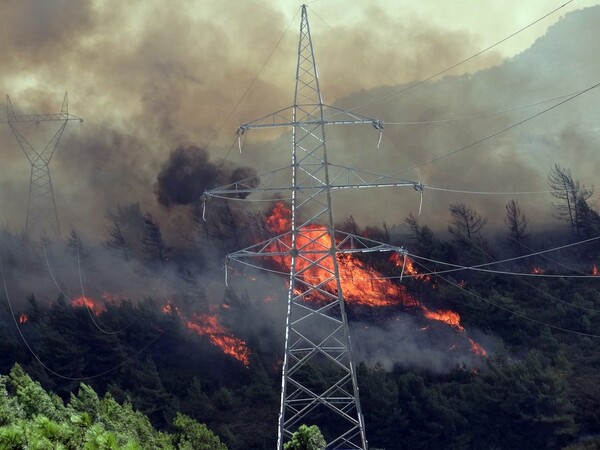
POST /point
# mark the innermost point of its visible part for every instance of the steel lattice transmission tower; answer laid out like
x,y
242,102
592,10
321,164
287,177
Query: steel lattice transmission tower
x,y
41,205
317,331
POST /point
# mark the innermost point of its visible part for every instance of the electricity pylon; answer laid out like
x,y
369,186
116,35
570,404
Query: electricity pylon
x,y
316,325
41,205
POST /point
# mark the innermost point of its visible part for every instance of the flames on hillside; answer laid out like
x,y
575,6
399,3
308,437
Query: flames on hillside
x,y
87,302
209,325
361,285
201,324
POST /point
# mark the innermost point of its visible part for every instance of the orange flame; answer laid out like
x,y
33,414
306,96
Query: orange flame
x,y
448,317
89,303
204,324
409,267
477,349
537,271
361,285
170,308
595,270
23,318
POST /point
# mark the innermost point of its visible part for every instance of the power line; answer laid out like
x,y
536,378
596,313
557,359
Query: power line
x,y
474,116
445,155
431,77
458,268
462,191
249,87
102,330
57,374
522,316
70,299
541,252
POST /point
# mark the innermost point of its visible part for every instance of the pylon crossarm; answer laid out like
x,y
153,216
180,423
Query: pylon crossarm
x,y
284,118
346,243
343,175
353,243
341,178
39,118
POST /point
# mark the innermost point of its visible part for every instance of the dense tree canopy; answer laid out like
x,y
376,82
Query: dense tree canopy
x,y
32,418
157,381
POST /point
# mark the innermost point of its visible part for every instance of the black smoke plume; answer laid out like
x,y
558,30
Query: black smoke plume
x,y
188,172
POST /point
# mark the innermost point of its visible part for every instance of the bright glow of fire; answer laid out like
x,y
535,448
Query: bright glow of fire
x,y
208,325
537,271
448,317
409,267
23,318
361,285
170,308
89,303
477,349
595,271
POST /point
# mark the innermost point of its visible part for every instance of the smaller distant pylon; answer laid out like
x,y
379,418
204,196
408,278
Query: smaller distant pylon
x,y
42,217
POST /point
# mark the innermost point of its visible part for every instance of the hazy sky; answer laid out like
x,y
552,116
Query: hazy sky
x,y
150,75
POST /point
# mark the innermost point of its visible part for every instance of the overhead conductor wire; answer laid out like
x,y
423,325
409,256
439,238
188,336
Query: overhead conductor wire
x,y
26,343
496,133
64,294
515,313
441,72
39,360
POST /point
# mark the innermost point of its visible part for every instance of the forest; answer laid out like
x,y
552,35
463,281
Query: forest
x,y
196,366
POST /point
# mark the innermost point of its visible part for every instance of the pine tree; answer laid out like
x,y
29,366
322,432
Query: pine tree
x,y
117,241
571,198
74,244
153,245
517,226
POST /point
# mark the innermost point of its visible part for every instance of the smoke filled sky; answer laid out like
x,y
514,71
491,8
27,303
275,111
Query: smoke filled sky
x,y
150,77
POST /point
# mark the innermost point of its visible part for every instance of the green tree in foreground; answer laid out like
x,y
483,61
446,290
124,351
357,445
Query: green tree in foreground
x,y
32,418
306,438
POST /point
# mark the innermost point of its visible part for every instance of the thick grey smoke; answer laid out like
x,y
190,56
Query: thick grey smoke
x,y
406,342
145,87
